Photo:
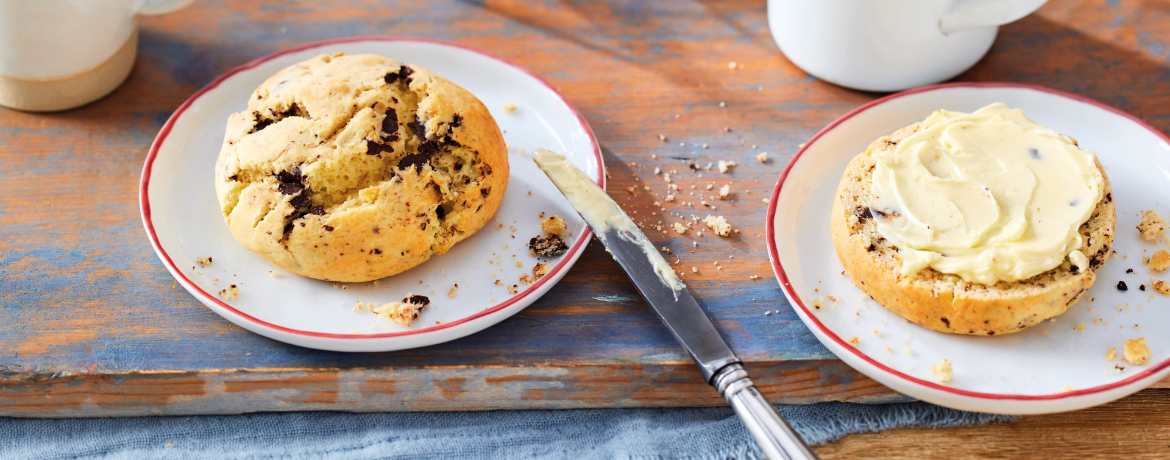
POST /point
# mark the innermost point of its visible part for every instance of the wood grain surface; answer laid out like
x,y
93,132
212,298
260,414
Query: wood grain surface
x,y
1134,428
92,324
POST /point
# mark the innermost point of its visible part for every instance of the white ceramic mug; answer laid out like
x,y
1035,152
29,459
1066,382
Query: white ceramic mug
x,y
61,54
889,45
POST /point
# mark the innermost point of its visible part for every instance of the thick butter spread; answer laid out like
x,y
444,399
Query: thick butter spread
x,y
988,196
601,212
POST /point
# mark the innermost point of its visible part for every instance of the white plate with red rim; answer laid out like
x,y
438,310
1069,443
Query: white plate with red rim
x,y
183,221
1051,367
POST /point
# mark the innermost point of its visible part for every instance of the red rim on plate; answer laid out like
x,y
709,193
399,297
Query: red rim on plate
x,y
144,196
774,256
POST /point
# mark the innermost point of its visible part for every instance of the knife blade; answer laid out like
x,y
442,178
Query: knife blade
x,y
660,287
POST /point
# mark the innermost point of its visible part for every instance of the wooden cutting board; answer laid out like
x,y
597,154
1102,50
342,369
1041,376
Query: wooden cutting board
x,y
92,324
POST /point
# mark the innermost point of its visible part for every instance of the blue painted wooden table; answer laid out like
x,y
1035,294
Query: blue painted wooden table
x,y
92,324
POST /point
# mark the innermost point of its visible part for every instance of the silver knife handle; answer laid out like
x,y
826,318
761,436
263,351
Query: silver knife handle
x,y
774,436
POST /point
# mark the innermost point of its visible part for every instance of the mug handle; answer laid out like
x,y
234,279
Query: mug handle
x,y
153,7
970,14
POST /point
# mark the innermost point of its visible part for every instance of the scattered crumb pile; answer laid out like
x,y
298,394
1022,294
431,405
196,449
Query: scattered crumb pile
x,y
550,244
403,312
1151,229
1136,351
718,224
538,271
230,293
942,372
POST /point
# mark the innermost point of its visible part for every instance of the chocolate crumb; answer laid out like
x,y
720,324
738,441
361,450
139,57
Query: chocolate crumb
x,y
548,245
416,299
1121,286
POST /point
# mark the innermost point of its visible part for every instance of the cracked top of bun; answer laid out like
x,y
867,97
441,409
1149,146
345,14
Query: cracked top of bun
x,y
354,168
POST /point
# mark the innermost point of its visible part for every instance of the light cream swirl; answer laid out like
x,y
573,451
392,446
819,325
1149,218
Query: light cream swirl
x,y
989,196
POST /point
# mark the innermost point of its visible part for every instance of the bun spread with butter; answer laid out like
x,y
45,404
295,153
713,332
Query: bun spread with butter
x,y
977,223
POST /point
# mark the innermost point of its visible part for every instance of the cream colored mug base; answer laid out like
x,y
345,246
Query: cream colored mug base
x,y
70,91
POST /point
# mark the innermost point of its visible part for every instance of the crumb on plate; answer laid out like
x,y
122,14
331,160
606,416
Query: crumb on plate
x,y
554,225
403,312
1160,261
1160,286
203,261
548,245
1136,351
230,293
942,372
1152,226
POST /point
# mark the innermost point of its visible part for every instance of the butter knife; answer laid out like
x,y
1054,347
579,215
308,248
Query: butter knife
x,y
660,286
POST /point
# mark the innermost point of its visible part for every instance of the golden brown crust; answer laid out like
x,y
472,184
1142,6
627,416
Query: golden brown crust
x,y
354,168
945,302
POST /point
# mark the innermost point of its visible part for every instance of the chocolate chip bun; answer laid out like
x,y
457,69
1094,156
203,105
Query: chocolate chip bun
x,y
354,168
945,302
